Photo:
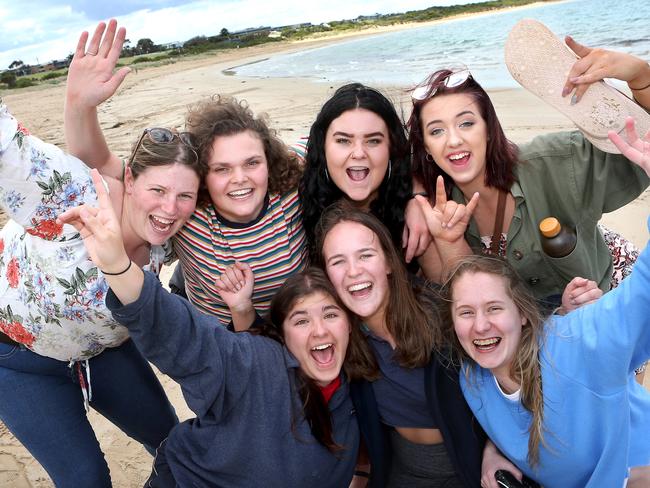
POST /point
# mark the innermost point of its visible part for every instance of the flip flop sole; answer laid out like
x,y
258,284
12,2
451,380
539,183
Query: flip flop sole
x,y
540,62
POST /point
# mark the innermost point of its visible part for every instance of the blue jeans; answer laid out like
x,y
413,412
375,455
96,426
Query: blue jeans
x,y
41,403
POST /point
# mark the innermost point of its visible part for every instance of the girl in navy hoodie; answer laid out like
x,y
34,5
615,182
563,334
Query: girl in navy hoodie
x,y
272,407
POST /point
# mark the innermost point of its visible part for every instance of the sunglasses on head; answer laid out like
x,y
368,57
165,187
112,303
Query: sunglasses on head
x,y
429,89
160,135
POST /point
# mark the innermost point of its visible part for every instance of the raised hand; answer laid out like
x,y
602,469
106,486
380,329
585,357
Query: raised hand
x,y
635,149
91,79
579,292
100,229
447,220
415,236
235,286
595,64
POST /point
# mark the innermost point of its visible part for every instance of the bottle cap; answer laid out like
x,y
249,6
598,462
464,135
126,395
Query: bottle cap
x,y
550,227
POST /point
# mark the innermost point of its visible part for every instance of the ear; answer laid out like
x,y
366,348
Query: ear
x,y
129,180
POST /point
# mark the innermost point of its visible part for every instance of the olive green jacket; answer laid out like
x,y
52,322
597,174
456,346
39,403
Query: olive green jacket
x,y
563,175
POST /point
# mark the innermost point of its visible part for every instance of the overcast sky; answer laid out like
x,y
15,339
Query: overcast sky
x,y
41,30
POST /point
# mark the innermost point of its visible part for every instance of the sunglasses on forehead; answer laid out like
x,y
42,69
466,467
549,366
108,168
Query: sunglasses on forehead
x,y
429,89
160,135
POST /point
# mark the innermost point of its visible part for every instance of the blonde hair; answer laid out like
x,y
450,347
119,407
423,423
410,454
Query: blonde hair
x,y
526,368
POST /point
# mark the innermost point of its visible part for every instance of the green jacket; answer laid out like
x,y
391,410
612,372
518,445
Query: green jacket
x,y
563,175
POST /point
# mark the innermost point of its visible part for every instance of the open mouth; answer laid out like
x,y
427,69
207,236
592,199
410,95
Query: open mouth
x,y
360,290
485,345
357,173
160,224
323,354
460,158
240,194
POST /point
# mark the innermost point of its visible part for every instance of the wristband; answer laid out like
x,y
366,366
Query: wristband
x,y
121,272
421,193
363,474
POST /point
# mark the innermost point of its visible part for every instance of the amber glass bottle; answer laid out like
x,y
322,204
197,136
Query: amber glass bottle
x,y
557,240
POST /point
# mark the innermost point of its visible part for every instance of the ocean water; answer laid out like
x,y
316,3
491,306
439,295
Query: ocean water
x,y
404,58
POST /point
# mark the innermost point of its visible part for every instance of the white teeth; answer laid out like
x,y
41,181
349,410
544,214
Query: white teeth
x,y
162,221
359,286
456,157
321,347
486,342
240,193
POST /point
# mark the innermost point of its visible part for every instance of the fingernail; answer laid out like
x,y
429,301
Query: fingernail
x,y
574,99
565,91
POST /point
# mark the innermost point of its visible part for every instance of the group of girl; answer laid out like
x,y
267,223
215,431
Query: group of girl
x,y
357,369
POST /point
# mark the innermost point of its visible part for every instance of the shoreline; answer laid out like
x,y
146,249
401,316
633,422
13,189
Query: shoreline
x,y
159,96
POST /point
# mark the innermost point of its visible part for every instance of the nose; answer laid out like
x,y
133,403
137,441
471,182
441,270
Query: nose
x,y
170,204
481,322
358,151
454,139
353,268
238,175
319,329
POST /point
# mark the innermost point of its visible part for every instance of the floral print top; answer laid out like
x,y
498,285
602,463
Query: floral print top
x,y
51,294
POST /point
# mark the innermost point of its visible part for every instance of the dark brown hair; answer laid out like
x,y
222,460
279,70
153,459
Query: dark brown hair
x,y
501,154
300,285
226,116
411,314
526,368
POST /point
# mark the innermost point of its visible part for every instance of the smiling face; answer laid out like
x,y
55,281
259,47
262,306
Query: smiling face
x,y
160,200
317,331
357,150
487,322
455,135
357,267
238,176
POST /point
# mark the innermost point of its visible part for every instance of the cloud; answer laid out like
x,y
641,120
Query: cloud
x,y
46,30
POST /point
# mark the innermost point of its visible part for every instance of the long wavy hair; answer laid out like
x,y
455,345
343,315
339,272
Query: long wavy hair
x,y
526,368
318,192
412,316
501,154
298,286
226,116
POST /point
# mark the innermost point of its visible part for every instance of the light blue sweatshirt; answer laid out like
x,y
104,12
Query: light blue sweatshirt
x,y
596,418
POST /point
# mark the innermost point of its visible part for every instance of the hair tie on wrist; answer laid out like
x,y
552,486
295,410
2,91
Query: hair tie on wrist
x,y
421,193
363,474
121,272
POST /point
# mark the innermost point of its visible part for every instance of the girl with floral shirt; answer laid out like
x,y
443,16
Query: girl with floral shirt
x,y
54,324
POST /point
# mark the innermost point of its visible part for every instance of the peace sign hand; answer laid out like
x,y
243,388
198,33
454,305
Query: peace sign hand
x,y
447,220
91,80
100,229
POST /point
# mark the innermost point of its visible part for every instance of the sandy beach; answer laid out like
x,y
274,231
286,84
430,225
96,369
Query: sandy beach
x,y
158,96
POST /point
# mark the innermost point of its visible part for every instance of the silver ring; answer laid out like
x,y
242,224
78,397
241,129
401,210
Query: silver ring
x,y
88,53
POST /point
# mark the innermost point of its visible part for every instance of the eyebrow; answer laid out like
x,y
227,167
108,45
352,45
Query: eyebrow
x,y
230,163
297,312
358,251
371,134
464,112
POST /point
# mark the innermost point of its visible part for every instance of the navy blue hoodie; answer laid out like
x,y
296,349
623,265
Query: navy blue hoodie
x,y
249,429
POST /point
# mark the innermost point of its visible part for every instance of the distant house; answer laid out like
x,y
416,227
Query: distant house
x,y
251,32
171,45
274,34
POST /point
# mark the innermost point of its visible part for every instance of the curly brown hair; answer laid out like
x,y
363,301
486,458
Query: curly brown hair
x,y
224,116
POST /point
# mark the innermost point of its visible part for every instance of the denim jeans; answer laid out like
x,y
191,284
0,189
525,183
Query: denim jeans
x,y
41,403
